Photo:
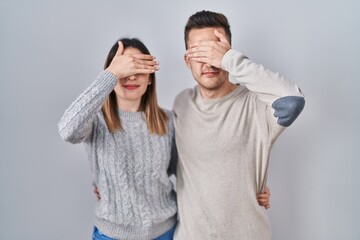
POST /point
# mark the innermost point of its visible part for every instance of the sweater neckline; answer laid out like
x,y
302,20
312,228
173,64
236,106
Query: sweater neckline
x,y
134,116
234,92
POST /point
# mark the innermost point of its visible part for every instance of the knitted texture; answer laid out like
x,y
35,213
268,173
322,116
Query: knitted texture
x,y
224,147
129,167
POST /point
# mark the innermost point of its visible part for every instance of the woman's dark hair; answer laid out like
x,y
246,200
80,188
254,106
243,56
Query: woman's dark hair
x,y
156,118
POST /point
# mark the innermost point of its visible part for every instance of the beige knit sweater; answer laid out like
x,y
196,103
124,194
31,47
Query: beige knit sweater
x,y
224,146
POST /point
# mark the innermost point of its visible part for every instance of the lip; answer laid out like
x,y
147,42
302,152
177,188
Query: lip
x,y
210,73
131,86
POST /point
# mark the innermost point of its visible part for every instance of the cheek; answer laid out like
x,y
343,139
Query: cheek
x,y
196,68
224,74
117,88
144,81
143,89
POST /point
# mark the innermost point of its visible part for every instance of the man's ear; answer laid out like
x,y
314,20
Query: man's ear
x,y
187,61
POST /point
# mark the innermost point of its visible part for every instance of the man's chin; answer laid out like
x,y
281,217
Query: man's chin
x,y
210,84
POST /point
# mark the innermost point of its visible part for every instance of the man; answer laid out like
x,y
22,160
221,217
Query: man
x,y
224,134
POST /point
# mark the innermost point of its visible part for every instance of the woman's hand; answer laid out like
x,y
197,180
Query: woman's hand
x,y
123,66
264,198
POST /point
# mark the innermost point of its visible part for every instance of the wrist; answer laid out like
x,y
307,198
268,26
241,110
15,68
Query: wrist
x,y
114,72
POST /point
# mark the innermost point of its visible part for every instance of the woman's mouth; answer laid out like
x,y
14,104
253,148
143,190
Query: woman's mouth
x,y
131,86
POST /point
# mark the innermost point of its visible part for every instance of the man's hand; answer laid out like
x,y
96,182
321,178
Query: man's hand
x,y
96,191
264,198
210,52
123,66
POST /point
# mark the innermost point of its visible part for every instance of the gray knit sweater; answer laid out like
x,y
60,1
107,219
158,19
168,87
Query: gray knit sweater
x,y
129,167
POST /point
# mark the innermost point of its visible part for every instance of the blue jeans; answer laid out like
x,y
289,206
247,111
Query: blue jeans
x,y
97,235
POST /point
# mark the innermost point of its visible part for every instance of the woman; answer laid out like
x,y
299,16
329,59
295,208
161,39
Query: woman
x,y
129,140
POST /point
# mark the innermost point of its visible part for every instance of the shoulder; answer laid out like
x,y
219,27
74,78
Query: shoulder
x,y
184,96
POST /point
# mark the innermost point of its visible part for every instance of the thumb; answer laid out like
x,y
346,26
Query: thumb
x,y
220,36
120,49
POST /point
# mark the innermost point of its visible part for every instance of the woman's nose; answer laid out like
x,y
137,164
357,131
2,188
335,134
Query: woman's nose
x,y
132,77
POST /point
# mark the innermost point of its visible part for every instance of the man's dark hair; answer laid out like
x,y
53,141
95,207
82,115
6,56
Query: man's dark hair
x,y
204,19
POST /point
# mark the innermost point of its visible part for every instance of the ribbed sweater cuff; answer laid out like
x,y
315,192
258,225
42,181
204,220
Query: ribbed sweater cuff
x,y
228,56
136,232
107,80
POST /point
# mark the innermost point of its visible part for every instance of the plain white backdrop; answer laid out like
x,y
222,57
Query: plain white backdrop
x,y
50,51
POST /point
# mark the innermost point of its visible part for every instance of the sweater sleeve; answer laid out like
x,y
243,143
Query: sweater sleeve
x,y
77,122
282,95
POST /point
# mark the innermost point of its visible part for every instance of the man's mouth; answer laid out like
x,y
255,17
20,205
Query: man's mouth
x,y
210,73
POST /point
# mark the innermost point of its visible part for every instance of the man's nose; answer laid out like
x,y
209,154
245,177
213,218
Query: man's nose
x,y
208,66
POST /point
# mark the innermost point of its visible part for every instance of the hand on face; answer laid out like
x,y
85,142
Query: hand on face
x,y
210,52
123,66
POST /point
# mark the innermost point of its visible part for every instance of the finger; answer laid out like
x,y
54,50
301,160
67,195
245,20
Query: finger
x,y
139,64
146,62
203,43
199,48
146,67
120,49
200,59
262,197
208,46
200,54
262,200
220,36
143,56
265,194
145,71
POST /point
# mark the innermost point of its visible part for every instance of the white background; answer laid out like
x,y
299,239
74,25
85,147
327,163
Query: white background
x,y
50,51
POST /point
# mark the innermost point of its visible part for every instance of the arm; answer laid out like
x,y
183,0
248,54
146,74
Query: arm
x,y
273,89
77,121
